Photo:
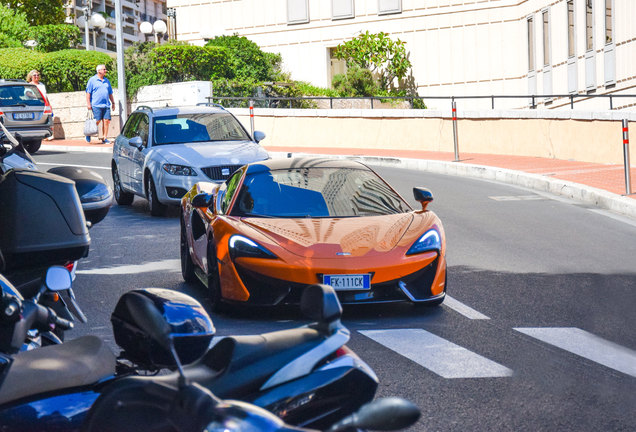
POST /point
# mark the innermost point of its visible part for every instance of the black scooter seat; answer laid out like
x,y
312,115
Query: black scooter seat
x,y
238,366
78,362
256,358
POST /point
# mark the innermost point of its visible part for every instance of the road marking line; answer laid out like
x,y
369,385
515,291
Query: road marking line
x,y
461,308
171,265
440,356
76,166
586,345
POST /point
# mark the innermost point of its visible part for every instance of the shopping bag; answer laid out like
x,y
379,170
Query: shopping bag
x,y
90,125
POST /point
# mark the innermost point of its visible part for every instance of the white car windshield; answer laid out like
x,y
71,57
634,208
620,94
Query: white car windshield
x,y
190,128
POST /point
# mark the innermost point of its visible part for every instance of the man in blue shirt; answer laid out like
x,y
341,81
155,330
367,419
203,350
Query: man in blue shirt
x,y
98,93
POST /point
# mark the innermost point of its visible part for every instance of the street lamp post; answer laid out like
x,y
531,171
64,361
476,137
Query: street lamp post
x,y
98,22
159,27
121,75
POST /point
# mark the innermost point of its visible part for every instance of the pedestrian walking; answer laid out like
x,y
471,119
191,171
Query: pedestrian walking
x,y
99,100
33,77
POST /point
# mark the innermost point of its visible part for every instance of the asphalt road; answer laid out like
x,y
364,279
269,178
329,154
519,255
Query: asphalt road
x,y
538,332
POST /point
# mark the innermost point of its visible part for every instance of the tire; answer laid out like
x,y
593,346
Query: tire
x,y
214,282
122,197
187,266
156,208
32,146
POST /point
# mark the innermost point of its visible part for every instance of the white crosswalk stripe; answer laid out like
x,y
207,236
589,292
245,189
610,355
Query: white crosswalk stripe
x,y
440,356
171,265
586,345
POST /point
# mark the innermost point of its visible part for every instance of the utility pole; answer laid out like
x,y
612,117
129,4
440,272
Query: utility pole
x,y
121,75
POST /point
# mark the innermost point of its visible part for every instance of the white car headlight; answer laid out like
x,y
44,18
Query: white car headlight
x,y
180,170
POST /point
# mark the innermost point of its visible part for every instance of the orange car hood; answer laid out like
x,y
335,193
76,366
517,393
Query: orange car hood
x,y
355,236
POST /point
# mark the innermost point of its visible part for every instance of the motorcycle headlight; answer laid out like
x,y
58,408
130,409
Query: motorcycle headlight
x,y
243,247
429,241
180,170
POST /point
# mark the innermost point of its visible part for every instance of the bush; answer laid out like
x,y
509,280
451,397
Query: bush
x,y
356,82
15,63
246,60
69,70
54,37
176,63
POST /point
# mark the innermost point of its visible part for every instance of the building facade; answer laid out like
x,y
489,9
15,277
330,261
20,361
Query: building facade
x,y
134,13
563,52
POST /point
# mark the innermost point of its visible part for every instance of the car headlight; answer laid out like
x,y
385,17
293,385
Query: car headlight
x,y
180,170
243,247
429,241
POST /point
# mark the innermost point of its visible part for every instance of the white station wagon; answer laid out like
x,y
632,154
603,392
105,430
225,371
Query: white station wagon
x,y
162,152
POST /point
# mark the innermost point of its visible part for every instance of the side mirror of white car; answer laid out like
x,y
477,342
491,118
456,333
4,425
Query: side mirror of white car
x,y
259,136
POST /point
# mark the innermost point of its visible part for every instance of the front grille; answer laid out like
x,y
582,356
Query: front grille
x,y
220,172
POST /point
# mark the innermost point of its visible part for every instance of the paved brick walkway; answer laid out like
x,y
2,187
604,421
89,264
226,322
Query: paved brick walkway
x,y
610,178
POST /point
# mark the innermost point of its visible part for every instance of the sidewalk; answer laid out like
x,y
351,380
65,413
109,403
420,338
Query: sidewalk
x,y
597,184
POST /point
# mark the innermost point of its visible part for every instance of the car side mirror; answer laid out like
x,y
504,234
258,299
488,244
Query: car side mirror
x,y
202,200
259,136
423,196
136,142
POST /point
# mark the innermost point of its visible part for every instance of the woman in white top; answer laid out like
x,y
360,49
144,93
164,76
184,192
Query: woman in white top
x,y
33,77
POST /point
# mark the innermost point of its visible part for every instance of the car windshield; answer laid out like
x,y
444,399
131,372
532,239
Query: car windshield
x,y
317,192
198,127
22,95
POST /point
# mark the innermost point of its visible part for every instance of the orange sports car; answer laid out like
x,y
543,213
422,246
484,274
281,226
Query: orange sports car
x,y
275,226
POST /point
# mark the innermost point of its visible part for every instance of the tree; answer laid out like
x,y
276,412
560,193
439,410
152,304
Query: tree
x,y
13,27
54,37
247,61
384,57
38,12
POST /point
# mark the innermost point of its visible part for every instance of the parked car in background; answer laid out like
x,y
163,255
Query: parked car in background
x,y
25,112
276,226
162,152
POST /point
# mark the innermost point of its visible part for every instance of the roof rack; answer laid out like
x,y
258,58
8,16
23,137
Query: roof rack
x,y
211,104
146,107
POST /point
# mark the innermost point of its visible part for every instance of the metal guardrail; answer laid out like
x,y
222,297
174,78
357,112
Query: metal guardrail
x,y
305,101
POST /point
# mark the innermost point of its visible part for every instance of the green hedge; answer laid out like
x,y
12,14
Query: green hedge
x,y
15,63
62,71
69,70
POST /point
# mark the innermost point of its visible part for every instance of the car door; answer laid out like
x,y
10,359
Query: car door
x,y
138,155
123,152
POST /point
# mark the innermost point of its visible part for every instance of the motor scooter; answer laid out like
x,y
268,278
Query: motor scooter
x,y
142,403
56,386
95,197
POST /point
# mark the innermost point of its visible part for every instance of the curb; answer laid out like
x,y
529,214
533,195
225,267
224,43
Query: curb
x,y
575,191
578,192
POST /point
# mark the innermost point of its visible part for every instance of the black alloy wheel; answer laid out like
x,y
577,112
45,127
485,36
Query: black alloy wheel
x,y
122,197
187,266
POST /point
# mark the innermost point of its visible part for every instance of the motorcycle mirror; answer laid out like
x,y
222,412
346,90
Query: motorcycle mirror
x,y
58,278
382,414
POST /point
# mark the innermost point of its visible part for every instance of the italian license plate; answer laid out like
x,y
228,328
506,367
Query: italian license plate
x,y
23,116
348,282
